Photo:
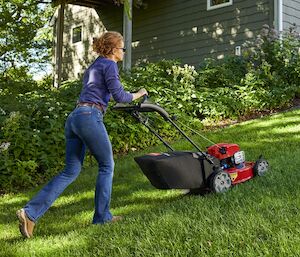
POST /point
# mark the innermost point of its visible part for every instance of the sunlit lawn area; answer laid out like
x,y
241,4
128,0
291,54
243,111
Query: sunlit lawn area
x,y
258,218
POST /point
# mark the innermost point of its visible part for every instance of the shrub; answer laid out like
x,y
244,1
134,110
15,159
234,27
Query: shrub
x,y
276,59
32,125
221,73
32,116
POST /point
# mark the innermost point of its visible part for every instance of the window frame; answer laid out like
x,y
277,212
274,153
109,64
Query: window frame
x,y
213,7
72,34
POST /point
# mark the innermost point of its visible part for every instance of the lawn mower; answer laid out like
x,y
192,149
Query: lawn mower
x,y
217,169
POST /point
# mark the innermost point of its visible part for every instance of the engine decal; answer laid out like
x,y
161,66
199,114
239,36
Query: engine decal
x,y
233,176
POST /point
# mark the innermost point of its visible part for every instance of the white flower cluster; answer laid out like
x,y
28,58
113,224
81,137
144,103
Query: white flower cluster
x,y
187,73
13,114
4,146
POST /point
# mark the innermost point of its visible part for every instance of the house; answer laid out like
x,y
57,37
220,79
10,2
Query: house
x,y
187,30
80,26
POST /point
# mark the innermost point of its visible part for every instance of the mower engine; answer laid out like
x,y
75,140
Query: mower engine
x,y
232,161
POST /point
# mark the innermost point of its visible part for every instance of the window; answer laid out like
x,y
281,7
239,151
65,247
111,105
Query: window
x,y
76,34
214,4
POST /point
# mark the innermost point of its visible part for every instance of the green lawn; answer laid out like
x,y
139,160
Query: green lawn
x,y
258,218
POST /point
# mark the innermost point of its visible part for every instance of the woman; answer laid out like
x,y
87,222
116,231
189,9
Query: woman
x,y
85,127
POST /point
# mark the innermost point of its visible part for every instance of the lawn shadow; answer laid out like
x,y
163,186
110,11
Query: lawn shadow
x,y
132,189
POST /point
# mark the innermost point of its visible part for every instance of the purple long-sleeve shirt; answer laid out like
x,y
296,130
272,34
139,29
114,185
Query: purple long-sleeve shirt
x,y
101,81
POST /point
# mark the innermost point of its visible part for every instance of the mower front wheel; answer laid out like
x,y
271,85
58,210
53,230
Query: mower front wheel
x,y
260,167
220,182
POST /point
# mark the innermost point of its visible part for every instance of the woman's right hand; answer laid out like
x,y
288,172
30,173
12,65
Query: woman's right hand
x,y
139,94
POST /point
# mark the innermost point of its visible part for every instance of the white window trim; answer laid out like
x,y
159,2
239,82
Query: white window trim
x,y
209,7
72,28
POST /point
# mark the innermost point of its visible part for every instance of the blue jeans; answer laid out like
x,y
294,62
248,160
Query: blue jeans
x,y
84,127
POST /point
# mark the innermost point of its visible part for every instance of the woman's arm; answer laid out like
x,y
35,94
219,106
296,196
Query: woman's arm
x,y
116,88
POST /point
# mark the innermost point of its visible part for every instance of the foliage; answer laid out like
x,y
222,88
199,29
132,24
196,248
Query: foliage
x,y
221,73
33,125
32,114
168,84
24,38
276,58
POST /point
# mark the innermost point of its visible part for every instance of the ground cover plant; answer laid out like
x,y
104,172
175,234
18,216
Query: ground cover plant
x,y
257,218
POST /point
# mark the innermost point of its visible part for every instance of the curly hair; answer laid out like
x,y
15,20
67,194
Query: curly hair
x,y
105,44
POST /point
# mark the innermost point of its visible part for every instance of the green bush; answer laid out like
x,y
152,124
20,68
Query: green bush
x,y
277,61
221,73
32,115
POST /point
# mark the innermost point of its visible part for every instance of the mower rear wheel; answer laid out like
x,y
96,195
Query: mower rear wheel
x,y
220,182
260,167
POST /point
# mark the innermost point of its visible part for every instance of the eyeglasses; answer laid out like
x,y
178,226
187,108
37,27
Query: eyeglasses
x,y
123,49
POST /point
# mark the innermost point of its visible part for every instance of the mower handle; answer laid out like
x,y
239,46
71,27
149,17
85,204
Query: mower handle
x,y
144,99
149,107
144,106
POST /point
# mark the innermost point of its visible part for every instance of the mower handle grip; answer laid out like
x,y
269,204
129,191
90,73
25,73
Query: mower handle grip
x,y
144,99
148,107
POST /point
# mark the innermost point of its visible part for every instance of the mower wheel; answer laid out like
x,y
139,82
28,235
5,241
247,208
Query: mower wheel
x,y
260,167
220,181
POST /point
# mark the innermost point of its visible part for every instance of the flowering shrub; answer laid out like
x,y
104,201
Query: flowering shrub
x,y
32,121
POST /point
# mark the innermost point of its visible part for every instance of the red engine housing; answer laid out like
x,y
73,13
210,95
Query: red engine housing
x,y
239,175
225,152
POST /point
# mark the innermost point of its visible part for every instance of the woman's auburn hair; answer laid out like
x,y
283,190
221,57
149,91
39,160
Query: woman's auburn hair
x,y
105,44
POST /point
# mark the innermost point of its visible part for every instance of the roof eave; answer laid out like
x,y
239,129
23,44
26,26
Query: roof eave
x,y
87,3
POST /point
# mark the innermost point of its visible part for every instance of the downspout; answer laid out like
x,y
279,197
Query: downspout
x,y
127,33
278,16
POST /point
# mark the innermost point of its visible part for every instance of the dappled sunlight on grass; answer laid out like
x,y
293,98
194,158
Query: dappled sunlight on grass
x,y
154,194
143,200
8,232
287,130
11,199
52,245
260,217
272,121
130,209
74,198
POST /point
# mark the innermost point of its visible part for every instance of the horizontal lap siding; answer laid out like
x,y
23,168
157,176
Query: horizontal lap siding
x,y
184,30
175,29
291,14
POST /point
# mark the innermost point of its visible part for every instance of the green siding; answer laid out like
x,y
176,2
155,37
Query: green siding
x,y
185,30
291,14
175,29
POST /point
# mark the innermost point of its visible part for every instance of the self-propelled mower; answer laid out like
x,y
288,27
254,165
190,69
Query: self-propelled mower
x,y
216,169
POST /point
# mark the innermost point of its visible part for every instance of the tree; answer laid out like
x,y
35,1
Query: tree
x,y
24,39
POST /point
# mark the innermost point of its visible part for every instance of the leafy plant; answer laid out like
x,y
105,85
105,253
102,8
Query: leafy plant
x,y
32,114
